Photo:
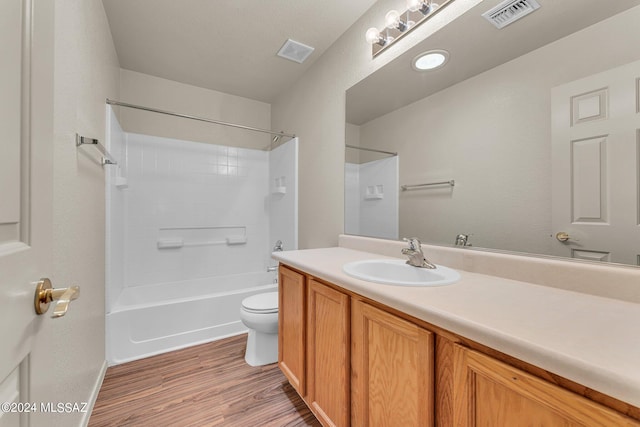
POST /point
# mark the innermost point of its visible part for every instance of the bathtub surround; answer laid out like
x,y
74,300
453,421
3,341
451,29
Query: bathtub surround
x,y
371,198
283,195
200,195
115,142
190,237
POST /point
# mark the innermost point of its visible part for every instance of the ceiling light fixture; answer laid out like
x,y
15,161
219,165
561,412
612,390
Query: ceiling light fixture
x,y
396,27
430,60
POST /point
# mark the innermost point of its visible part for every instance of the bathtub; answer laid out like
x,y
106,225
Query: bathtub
x,y
153,319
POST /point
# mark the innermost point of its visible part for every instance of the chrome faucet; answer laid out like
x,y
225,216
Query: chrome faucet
x,y
414,252
277,248
462,240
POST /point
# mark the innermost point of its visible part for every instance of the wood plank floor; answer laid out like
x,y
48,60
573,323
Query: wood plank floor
x,y
205,385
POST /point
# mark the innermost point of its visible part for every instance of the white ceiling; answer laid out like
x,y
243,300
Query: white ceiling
x,y
475,46
226,45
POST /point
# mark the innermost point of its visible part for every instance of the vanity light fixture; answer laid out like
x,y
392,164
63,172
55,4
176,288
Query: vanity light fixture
x,y
397,24
430,60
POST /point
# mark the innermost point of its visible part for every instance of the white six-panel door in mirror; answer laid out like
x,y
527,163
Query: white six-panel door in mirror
x,y
595,166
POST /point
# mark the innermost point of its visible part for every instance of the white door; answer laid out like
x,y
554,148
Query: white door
x,y
26,137
595,173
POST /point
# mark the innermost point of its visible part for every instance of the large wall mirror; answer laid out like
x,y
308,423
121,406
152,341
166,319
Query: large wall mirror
x,y
530,135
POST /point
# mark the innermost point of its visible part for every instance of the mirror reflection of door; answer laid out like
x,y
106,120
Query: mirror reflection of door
x,y
595,166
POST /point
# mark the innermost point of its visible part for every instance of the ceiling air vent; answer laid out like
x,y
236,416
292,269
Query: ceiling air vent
x,y
510,11
295,51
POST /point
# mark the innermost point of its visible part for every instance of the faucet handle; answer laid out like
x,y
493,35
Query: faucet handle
x,y
414,243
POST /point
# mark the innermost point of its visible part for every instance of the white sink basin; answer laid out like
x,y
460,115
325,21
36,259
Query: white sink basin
x,y
398,272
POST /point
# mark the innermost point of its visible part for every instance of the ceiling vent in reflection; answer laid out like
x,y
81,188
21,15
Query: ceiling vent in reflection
x,y
295,51
510,11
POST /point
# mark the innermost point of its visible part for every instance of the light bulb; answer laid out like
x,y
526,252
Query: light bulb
x,y
372,35
423,6
392,19
414,5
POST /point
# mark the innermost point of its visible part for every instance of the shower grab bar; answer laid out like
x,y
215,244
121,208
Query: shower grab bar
x,y
428,184
201,119
107,158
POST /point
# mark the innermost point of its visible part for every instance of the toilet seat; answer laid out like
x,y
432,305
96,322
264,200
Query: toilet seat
x,y
261,303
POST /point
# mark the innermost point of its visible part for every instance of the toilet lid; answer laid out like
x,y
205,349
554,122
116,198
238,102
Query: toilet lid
x,y
261,303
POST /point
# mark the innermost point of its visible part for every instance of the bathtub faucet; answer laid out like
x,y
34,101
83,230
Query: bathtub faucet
x,y
278,247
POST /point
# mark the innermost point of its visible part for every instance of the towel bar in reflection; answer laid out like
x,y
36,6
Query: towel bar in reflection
x,y
428,184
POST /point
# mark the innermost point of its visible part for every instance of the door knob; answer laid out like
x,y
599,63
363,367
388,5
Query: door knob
x,y
45,294
564,237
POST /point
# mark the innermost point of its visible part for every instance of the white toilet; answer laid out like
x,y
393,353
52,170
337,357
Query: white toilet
x,y
259,313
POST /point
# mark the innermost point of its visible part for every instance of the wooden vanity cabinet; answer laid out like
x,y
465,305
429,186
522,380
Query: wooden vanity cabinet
x,y
392,370
314,345
490,393
292,303
328,337
356,363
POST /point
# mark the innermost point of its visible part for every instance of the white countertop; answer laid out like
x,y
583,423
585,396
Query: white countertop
x,y
592,340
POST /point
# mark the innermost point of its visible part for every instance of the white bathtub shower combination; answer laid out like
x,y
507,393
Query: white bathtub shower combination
x,y
190,228
153,319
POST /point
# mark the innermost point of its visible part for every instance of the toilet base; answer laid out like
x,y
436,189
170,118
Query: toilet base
x,y
262,349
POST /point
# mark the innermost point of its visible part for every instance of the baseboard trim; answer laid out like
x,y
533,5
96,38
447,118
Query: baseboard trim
x,y
94,394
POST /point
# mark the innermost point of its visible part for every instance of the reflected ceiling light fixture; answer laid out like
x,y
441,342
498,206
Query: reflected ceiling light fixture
x,y
397,24
430,60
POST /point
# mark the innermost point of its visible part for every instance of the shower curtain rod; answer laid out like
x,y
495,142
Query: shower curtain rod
x,y
201,119
371,149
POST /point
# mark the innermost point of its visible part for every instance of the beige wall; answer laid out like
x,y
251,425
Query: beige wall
x,y
492,134
86,72
155,92
314,109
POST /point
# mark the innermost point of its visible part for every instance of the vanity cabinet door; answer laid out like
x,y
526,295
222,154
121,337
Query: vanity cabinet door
x,y
328,360
392,370
490,393
292,295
